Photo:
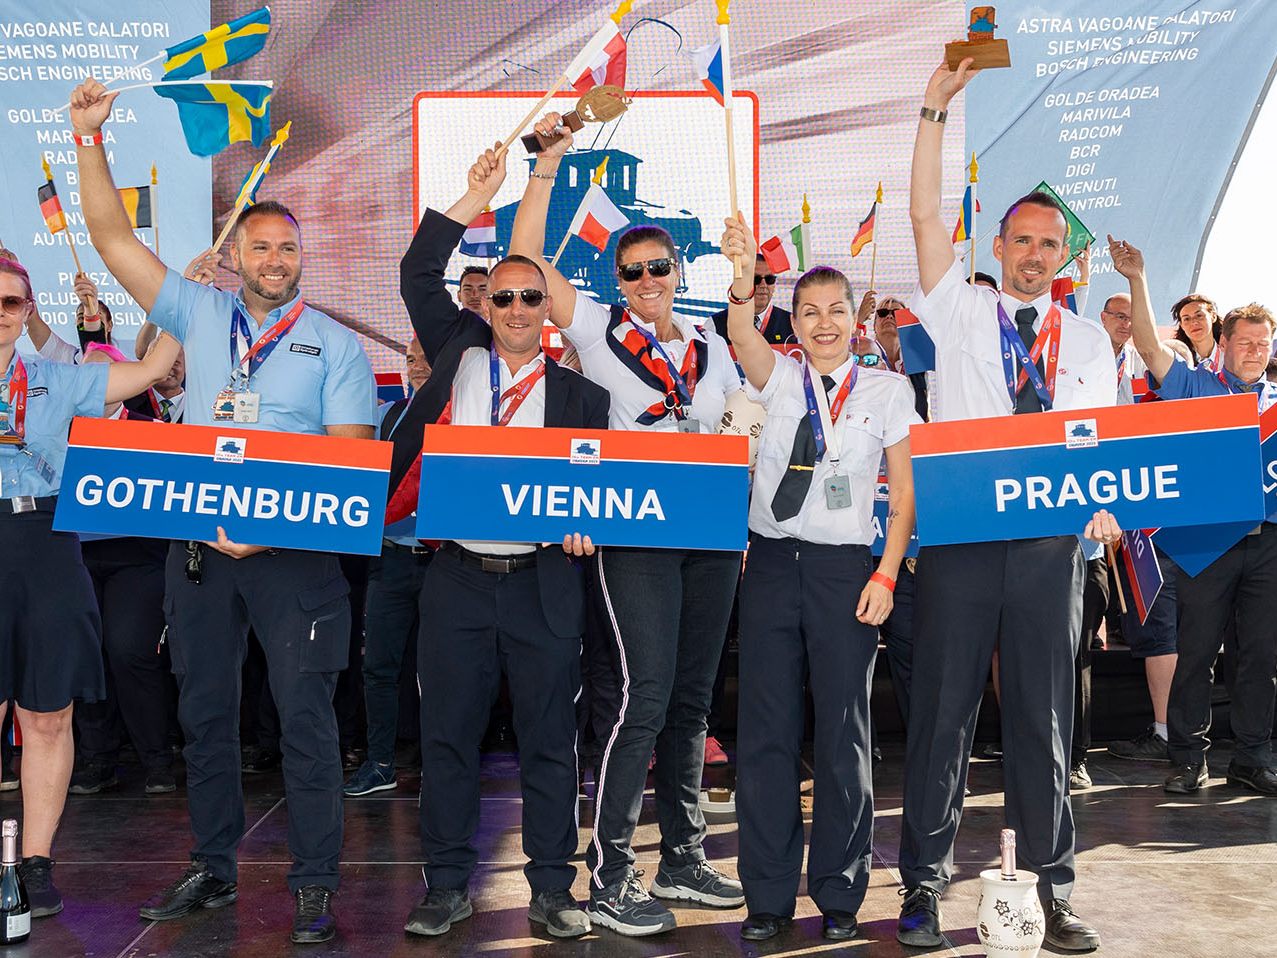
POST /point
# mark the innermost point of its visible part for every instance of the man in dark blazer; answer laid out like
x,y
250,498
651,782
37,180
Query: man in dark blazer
x,y
493,606
774,323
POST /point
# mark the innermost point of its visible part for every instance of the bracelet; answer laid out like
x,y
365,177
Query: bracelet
x,y
731,298
935,116
94,139
542,176
884,580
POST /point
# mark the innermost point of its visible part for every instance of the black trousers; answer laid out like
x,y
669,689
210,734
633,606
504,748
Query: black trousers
x,y
296,603
897,638
798,627
1025,597
1095,599
128,580
1243,581
474,626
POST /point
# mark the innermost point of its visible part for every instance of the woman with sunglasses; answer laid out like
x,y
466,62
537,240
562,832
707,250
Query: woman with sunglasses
x,y
50,630
831,416
668,608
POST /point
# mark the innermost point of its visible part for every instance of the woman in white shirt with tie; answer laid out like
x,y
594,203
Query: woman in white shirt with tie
x,y
810,607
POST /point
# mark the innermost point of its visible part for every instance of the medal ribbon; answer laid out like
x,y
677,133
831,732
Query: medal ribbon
x,y
17,405
243,369
1013,351
515,394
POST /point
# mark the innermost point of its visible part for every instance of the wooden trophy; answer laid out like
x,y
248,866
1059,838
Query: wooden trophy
x,y
599,105
981,45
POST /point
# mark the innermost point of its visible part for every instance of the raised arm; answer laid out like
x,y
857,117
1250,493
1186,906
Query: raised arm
x,y
756,358
434,313
528,238
1129,261
129,379
136,267
933,241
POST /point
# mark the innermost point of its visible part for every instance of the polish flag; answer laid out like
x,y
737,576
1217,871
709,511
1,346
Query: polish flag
x,y
601,61
597,218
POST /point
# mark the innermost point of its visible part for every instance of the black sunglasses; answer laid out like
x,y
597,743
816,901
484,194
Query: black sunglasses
x,y
13,304
769,279
633,272
884,312
194,562
505,297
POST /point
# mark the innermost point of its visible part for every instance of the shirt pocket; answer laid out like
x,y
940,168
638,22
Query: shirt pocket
x,y
861,451
784,416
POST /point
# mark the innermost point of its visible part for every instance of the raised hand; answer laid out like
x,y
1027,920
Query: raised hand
x,y
738,239
1127,260
487,173
203,268
87,293
945,84
91,104
548,125
868,303
1083,259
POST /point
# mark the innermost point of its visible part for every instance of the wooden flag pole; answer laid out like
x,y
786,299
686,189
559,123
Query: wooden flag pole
x,y
738,268
595,180
975,176
562,246
230,225
155,210
873,253
1121,597
532,114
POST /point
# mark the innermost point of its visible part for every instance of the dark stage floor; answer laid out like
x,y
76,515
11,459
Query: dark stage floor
x,y
1184,877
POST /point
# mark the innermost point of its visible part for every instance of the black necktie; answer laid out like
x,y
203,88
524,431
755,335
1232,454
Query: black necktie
x,y
792,491
1027,400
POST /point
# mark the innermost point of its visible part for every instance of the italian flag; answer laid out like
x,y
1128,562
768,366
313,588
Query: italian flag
x,y
597,218
790,251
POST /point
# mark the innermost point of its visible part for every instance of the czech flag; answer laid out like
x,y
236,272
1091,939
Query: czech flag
x,y
480,237
597,218
865,232
51,208
601,62
137,204
962,231
791,251
228,43
916,347
215,115
711,69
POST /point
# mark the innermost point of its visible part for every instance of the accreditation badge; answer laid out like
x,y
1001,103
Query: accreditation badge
x,y
838,492
247,406
689,425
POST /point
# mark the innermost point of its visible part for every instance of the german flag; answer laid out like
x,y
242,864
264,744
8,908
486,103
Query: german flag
x,y
51,208
137,203
865,233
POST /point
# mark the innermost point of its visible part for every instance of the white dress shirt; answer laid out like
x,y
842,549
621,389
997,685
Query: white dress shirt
x,y
472,406
877,414
1132,369
630,397
970,381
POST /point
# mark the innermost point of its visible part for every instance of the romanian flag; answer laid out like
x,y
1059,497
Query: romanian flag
x,y
962,231
51,207
223,45
597,218
601,62
215,115
865,232
137,203
480,237
712,68
791,251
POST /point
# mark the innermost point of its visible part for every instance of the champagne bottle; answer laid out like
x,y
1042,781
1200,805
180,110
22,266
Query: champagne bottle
x,y
1008,854
15,910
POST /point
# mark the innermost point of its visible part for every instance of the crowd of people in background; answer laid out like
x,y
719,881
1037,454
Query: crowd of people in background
x,y
605,664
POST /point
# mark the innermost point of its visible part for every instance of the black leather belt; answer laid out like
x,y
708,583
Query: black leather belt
x,y
20,504
417,550
491,563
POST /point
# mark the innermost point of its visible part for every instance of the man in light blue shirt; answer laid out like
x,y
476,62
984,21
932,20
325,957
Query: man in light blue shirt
x,y
1240,584
262,359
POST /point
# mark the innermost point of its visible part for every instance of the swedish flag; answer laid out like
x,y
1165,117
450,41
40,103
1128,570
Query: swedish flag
x,y
215,115
223,45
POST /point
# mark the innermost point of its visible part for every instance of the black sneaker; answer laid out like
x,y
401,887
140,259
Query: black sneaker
x,y
436,912
37,875
919,924
1145,747
260,759
93,777
197,888
160,781
628,909
560,913
1186,779
699,882
371,777
313,919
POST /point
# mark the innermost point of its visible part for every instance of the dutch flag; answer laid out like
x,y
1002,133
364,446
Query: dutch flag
x,y
480,237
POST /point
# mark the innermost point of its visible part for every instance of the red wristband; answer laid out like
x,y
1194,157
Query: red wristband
x,y
883,580
93,140
731,298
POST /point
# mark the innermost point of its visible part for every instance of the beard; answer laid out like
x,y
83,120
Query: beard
x,y
289,292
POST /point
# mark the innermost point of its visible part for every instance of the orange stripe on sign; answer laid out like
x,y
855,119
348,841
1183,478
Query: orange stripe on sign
x,y
613,444
258,444
1113,422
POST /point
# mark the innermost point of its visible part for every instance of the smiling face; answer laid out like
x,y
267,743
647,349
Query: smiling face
x,y
651,298
1033,250
516,328
1196,319
415,363
267,254
473,289
1116,317
822,322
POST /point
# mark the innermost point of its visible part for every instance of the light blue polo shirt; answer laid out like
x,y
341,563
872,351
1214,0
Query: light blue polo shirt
x,y
318,375
55,394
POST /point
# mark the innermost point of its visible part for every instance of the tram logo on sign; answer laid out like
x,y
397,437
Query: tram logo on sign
x,y
230,449
1080,434
585,452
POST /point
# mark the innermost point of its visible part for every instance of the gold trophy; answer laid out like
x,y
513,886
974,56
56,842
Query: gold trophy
x,y
981,45
599,105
